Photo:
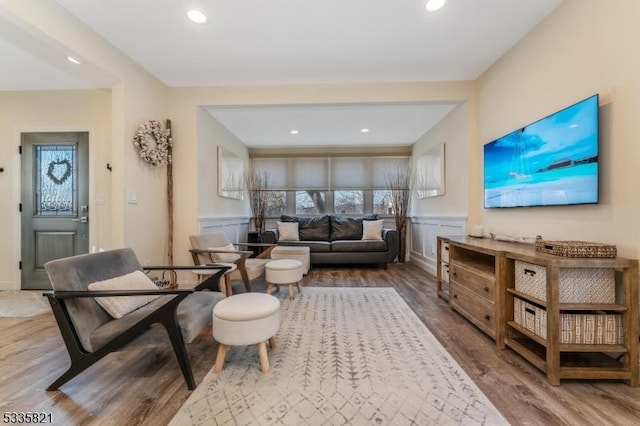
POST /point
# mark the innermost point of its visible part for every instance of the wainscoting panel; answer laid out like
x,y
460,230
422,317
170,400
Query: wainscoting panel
x,y
424,233
236,228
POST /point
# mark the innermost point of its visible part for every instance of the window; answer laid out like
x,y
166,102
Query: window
x,y
310,185
310,202
276,203
382,202
348,202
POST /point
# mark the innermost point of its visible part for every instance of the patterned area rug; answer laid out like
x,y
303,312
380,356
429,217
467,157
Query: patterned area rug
x,y
354,356
23,303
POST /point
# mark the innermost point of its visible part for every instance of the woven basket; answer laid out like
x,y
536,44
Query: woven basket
x,y
577,285
587,329
576,248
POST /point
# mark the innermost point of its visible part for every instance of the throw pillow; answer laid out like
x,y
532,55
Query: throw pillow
x,y
372,229
222,257
288,231
119,306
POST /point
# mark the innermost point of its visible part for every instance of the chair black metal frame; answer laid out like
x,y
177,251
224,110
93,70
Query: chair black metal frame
x,y
165,314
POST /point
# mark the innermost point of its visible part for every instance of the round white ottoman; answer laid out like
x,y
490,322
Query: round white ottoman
x,y
284,271
246,319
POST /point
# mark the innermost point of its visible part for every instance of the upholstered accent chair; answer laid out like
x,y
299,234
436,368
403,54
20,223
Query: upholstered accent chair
x,y
216,248
91,329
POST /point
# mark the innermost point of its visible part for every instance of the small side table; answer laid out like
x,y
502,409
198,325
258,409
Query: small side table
x,y
225,282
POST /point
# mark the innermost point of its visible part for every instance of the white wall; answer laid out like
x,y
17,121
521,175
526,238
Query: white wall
x,y
212,134
582,48
136,96
196,136
44,111
456,132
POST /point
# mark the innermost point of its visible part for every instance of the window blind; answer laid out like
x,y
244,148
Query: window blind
x,y
324,173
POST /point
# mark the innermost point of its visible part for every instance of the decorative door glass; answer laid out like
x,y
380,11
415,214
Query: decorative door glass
x,y
55,180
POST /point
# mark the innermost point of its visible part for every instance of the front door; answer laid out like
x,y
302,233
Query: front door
x,y
55,201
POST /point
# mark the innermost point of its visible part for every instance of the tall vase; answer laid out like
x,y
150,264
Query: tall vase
x,y
402,241
401,227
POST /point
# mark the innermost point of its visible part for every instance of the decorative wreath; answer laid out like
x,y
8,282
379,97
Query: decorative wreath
x,y
52,166
154,143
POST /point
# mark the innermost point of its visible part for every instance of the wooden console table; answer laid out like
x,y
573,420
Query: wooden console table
x,y
481,286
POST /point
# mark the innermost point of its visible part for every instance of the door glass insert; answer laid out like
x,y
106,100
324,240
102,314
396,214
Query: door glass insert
x,y
55,180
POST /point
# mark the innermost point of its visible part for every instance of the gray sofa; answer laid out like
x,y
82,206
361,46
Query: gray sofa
x,y
338,240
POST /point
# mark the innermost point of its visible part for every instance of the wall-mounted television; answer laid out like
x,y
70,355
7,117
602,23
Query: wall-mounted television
x,y
551,162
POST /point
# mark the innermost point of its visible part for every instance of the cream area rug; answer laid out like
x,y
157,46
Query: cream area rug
x,y
23,303
344,356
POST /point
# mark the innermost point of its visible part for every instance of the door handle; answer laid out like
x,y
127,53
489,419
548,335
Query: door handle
x,y
82,219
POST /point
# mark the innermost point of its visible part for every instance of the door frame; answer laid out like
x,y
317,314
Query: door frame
x,y
16,240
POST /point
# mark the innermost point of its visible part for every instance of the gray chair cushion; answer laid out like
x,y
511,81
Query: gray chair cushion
x,y
107,331
195,312
94,326
76,273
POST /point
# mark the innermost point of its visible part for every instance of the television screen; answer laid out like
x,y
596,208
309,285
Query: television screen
x,y
551,162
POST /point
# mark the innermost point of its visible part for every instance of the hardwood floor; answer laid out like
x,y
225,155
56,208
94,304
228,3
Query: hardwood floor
x,y
142,384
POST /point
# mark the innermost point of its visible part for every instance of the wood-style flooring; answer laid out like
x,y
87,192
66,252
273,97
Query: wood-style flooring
x,y
142,383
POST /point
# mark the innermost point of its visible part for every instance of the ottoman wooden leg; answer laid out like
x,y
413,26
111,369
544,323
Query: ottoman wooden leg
x,y
264,358
222,285
269,288
227,283
222,352
292,295
299,287
272,342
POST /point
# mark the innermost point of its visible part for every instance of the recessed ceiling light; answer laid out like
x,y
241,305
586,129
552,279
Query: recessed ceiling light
x,y
365,130
196,16
433,5
294,132
73,60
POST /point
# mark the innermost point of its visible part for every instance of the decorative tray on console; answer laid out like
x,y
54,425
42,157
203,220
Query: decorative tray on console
x,y
576,248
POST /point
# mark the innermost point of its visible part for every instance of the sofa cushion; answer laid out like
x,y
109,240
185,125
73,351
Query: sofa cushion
x,y
310,228
314,246
348,228
358,245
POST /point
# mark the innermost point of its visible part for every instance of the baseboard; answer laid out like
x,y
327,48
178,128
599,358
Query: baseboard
x,y
426,265
8,285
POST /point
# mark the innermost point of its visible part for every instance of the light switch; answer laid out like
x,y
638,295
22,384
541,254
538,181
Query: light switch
x,y
132,197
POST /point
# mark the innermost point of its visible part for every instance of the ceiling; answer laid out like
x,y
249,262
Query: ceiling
x,y
257,42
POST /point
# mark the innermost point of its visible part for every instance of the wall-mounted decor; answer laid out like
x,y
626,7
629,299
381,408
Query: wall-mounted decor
x,y
154,143
430,173
230,174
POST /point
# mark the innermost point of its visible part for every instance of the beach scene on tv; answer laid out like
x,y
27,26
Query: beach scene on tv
x,y
553,161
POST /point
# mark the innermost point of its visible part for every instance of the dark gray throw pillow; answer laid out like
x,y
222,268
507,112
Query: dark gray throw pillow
x,y
314,228
348,228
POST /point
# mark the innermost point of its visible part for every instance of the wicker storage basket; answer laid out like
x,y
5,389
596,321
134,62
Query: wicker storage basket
x,y
595,328
445,273
577,285
530,316
576,248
